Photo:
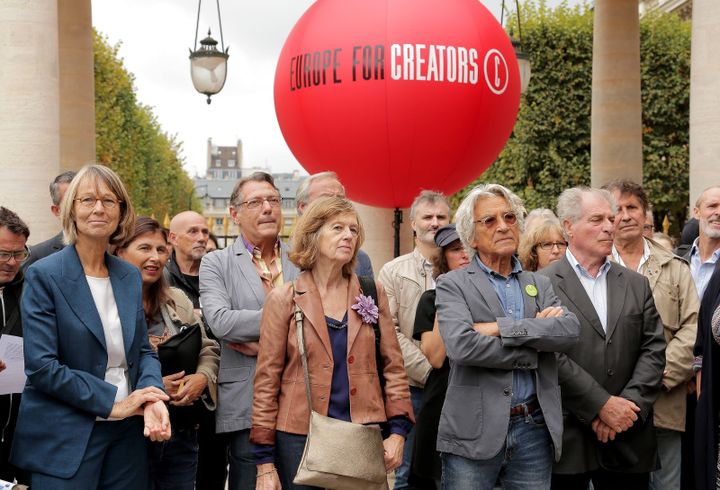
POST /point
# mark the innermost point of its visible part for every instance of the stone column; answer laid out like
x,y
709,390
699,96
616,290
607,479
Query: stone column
x,y
704,98
380,236
616,138
77,84
29,111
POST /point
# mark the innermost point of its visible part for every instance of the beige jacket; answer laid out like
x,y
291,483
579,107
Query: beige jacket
x,y
209,359
677,303
405,279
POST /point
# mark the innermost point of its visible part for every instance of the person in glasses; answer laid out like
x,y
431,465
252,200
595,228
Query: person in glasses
x,y
14,234
234,283
541,245
677,302
93,385
502,328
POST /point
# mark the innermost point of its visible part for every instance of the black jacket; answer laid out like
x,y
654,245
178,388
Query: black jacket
x,y
706,416
43,249
177,279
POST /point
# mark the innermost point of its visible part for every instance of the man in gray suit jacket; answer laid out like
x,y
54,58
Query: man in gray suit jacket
x,y
502,328
612,377
233,286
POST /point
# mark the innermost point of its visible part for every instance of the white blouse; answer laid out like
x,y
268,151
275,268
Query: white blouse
x,y
116,371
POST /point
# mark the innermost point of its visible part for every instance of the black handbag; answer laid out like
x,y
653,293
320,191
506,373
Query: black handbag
x,y
181,351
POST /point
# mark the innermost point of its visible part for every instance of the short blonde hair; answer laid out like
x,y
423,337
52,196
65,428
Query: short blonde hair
x,y
527,250
97,174
306,237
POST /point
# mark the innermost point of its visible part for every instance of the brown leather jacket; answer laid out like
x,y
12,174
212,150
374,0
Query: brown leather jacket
x,y
280,402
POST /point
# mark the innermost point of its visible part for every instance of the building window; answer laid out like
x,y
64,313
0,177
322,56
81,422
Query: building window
x,y
218,162
231,163
219,221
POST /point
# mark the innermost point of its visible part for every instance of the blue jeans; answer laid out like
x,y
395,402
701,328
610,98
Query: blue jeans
x,y
242,461
402,473
173,463
669,450
524,462
288,453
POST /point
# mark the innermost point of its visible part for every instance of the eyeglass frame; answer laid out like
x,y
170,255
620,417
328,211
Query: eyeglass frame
x,y
116,202
273,201
14,255
510,218
563,245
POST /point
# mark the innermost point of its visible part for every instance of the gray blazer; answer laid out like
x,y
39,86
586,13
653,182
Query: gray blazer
x,y
476,413
232,298
627,361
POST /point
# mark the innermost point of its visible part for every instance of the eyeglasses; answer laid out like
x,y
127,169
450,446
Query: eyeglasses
x,y
549,245
274,202
90,202
509,218
20,256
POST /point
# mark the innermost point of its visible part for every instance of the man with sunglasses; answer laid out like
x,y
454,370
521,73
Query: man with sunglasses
x,y
677,303
234,283
13,252
611,378
502,328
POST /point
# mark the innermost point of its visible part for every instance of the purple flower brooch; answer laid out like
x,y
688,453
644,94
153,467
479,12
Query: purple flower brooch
x,y
366,308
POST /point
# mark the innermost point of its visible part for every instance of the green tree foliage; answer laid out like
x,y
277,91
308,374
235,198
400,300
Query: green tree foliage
x,y
129,139
549,149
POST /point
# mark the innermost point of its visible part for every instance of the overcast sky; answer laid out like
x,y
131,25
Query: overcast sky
x,y
155,37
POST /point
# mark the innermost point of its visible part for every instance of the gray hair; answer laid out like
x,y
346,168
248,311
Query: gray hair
x,y
430,197
236,197
569,206
63,178
465,216
302,196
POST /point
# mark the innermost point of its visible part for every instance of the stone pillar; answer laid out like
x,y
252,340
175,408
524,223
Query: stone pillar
x,y
380,236
77,84
29,111
616,139
704,98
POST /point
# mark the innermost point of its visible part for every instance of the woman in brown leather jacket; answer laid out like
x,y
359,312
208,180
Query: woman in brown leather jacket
x,y
340,345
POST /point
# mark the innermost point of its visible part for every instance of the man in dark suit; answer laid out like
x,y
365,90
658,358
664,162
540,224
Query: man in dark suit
x,y
57,193
612,376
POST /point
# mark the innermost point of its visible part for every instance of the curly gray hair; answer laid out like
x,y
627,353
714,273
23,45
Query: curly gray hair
x,y
465,216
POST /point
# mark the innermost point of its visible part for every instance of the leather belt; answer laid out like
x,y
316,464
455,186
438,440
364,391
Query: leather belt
x,y
524,408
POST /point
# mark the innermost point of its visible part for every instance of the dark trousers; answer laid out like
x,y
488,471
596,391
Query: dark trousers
x,y
601,480
288,453
242,461
115,459
9,405
173,463
212,467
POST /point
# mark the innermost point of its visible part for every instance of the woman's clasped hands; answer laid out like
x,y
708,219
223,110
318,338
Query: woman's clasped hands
x,y
150,403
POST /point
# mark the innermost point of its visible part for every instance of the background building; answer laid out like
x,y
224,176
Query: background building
x,y
681,7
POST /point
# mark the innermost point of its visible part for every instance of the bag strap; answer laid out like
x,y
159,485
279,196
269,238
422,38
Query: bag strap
x,y
367,283
299,317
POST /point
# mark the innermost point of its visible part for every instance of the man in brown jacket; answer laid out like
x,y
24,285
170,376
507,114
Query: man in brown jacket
x,y
677,303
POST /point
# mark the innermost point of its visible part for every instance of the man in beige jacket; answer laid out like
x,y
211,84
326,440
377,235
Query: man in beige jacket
x,y
405,279
677,303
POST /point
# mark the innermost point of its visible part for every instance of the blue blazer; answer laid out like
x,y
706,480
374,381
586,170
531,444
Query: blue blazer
x,y
66,358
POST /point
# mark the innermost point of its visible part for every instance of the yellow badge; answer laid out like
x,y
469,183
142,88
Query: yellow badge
x,y
531,290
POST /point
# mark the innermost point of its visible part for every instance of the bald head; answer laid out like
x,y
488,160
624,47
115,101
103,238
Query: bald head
x,y
325,184
189,236
707,212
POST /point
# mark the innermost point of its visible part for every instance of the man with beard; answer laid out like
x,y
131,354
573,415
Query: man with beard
x,y
705,250
405,279
188,236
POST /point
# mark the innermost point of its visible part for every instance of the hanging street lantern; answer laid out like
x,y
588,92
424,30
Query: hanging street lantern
x,y
523,60
208,65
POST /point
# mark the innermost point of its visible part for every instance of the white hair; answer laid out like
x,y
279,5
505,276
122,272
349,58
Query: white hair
x,y
465,216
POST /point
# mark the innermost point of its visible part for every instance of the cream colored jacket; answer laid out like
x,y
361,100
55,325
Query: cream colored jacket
x,y
677,303
405,279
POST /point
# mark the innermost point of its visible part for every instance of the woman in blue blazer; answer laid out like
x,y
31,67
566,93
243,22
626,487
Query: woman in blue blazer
x,y
89,365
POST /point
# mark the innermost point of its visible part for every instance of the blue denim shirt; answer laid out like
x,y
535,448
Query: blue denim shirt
x,y
509,293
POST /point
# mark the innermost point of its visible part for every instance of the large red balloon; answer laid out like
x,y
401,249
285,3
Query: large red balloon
x,y
397,96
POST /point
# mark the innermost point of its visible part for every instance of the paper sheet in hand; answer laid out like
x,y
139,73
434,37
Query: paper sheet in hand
x,y
12,379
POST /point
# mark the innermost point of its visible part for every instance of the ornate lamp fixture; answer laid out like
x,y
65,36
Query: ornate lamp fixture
x,y
208,66
522,58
